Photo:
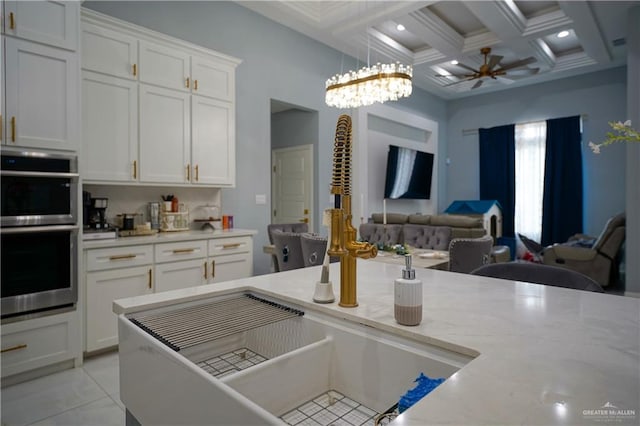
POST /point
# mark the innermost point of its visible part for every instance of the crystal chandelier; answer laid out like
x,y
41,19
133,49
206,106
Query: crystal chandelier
x,y
379,83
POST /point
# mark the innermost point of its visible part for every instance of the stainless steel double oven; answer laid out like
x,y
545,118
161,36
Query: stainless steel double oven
x,y
39,232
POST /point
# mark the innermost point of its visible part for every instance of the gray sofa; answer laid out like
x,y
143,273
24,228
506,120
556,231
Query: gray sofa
x,y
422,231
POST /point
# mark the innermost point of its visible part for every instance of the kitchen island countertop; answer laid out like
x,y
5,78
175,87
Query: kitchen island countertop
x,y
542,355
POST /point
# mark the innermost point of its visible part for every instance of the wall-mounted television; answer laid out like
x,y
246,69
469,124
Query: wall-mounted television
x,y
408,174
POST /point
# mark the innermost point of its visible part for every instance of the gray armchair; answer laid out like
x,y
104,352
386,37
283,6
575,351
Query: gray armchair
x,y
284,227
539,274
467,254
314,249
596,262
288,250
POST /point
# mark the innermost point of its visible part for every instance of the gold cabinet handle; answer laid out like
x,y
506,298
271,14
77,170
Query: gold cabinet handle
x,y
197,173
12,21
230,246
213,269
14,348
205,270
135,70
122,257
135,169
188,172
187,82
183,251
195,84
305,220
13,129
150,278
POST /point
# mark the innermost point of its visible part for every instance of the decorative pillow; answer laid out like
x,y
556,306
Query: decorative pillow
x,y
391,218
420,219
456,221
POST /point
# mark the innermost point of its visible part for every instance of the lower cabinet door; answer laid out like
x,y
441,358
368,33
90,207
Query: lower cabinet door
x,y
183,274
103,288
230,267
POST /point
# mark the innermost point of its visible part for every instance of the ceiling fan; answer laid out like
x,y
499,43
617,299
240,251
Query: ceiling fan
x,y
487,69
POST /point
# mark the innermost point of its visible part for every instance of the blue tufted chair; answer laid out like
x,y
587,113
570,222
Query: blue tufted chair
x,y
427,237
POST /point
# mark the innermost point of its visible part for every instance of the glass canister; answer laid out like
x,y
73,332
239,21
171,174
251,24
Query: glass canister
x,y
154,215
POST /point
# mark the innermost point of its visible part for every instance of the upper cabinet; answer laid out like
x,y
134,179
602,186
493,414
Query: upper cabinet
x,y
41,72
184,120
54,23
213,79
164,66
109,52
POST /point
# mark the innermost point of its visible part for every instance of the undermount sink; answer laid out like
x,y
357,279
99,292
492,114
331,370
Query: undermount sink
x,y
259,372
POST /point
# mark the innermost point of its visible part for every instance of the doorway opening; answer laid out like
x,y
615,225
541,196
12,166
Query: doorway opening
x,y
294,148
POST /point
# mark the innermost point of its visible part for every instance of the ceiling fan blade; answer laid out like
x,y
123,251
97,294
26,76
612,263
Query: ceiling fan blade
x,y
517,64
478,84
457,82
524,71
467,67
494,60
455,75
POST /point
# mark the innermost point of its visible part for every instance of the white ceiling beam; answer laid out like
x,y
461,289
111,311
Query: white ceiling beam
x,y
549,23
428,56
503,18
587,30
433,31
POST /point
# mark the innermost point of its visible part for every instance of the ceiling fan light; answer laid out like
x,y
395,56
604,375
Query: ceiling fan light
x,y
454,62
563,34
400,27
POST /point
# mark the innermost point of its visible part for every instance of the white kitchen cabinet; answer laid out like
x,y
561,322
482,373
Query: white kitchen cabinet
x,y
109,52
181,264
110,128
212,147
164,66
122,269
41,96
164,135
186,107
214,79
103,287
40,342
230,258
113,273
54,23
184,274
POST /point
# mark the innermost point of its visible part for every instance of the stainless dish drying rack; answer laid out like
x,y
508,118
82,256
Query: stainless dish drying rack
x,y
194,325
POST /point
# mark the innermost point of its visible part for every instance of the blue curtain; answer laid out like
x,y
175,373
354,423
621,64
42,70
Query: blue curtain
x,y
498,171
562,199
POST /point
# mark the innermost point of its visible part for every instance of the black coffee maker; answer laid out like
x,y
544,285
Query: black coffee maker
x,y
94,210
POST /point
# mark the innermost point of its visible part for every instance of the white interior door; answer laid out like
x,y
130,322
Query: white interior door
x,y
292,185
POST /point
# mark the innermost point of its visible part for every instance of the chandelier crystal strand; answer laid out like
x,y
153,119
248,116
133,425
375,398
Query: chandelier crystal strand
x,y
378,83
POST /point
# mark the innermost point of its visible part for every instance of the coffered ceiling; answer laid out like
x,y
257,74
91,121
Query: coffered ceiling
x,y
439,32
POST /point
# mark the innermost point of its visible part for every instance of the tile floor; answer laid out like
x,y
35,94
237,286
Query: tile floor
x,y
81,396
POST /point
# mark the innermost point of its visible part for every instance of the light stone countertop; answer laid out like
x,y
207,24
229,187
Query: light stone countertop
x,y
543,355
168,237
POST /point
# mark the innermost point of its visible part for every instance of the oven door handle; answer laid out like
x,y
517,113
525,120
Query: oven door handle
x,y
32,229
40,174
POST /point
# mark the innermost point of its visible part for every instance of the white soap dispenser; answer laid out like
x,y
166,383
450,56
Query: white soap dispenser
x,y
407,291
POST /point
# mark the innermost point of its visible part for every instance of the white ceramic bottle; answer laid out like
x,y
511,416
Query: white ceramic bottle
x,y
407,290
